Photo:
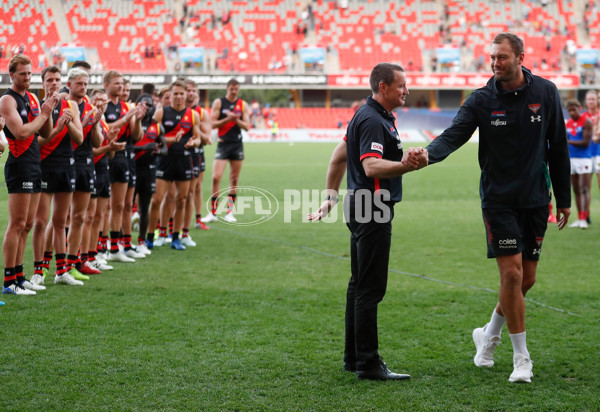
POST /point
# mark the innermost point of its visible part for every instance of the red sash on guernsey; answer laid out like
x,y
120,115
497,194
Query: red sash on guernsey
x,y
18,147
104,141
186,123
87,107
149,137
125,128
239,108
49,147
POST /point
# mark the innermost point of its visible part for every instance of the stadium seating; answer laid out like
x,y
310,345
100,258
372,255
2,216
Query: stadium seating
x,y
263,35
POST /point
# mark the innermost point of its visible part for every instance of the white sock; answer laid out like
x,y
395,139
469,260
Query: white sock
x,y
519,342
494,328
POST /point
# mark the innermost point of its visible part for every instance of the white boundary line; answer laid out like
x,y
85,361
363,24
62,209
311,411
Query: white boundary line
x,y
461,285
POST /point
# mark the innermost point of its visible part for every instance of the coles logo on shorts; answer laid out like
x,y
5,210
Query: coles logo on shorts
x,y
27,185
377,146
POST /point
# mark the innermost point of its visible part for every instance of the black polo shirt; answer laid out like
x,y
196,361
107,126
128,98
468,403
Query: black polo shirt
x,y
372,133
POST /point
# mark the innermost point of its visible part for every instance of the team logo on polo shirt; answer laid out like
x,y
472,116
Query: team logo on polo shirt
x,y
377,146
112,117
535,107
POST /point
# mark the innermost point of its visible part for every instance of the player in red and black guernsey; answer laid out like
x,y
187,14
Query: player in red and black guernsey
x,y
230,116
58,184
151,145
182,134
194,201
126,221
24,118
119,116
85,175
101,195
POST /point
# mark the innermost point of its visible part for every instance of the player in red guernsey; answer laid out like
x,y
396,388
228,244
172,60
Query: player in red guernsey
x,y
24,118
579,134
593,112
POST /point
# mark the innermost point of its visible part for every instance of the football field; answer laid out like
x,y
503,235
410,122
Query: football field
x,y
253,317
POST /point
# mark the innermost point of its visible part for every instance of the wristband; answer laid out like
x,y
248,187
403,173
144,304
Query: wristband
x,y
334,198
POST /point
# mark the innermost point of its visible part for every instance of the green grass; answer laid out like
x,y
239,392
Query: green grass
x,y
252,319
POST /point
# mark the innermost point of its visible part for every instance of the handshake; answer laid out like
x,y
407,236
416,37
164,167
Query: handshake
x,y
415,158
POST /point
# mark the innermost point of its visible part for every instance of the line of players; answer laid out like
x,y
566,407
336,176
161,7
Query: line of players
x,y
87,158
583,131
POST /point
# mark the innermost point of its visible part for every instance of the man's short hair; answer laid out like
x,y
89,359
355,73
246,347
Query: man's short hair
x,y
109,75
16,60
233,82
383,72
572,102
76,73
81,63
126,81
96,92
177,83
190,82
50,69
162,91
516,43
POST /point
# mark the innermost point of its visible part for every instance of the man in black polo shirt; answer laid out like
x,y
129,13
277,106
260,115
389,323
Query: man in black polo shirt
x,y
375,163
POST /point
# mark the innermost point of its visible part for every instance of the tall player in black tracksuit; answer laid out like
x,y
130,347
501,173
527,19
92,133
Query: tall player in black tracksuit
x,y
522,135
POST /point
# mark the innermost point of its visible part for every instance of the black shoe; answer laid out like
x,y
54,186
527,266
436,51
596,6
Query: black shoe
x,y
350,366
381,373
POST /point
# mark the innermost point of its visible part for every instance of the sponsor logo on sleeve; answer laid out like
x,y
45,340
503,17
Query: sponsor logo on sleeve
x,y
377,146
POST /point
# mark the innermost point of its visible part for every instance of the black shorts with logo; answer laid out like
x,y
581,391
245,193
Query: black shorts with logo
x,y
513,231
119,168
22,177
230,151
174,168
101,185
132,172
85,177
146,179
58,179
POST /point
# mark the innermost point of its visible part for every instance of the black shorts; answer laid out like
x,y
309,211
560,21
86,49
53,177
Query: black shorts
x,y
85,178
101,186
58,179
513,231
22,177
230,151
195,163
174,168
146,179
132,173
119,169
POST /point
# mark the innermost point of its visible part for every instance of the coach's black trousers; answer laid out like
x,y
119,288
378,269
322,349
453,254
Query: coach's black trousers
x,y
370,251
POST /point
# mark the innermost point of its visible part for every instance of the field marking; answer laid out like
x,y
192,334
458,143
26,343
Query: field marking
x,y
400,272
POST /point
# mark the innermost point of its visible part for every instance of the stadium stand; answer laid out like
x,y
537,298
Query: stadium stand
x,y
139,36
